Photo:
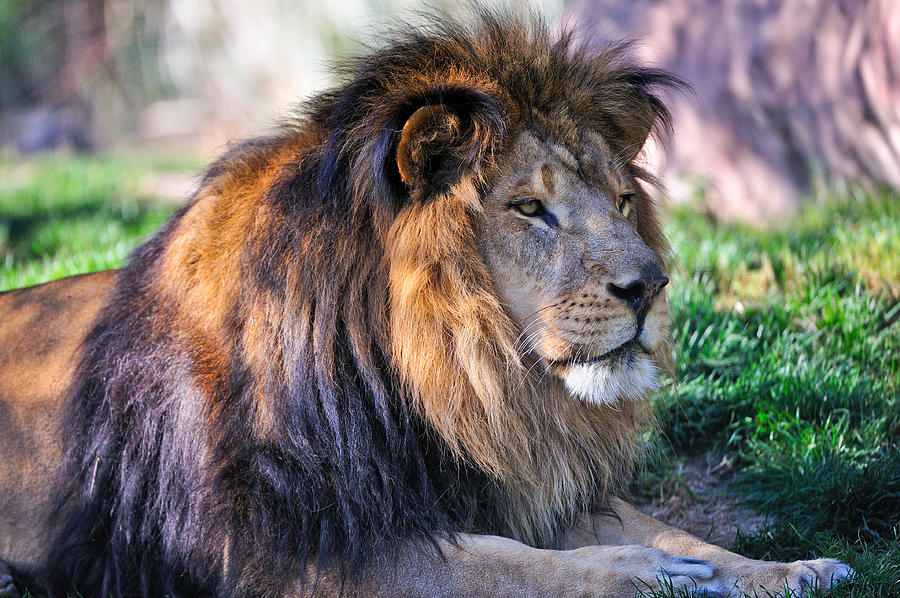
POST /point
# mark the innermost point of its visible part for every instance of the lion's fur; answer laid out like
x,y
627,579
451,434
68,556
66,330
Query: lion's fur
x,y
308,363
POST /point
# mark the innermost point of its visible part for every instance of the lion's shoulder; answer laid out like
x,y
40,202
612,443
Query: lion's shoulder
x,y
42,321
43,327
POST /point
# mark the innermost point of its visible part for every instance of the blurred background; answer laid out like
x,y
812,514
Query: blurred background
x,y
790,95
782,437
190,75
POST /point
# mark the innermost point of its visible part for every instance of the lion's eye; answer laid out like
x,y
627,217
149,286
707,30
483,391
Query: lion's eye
x,y
624,203
530,207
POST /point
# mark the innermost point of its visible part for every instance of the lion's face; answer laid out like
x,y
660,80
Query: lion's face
x,y
559,234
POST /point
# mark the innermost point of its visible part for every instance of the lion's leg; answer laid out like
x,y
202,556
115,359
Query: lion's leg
x,y
8,587
494,567
737,573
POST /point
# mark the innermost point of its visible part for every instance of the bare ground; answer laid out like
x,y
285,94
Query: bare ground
x,y
692,496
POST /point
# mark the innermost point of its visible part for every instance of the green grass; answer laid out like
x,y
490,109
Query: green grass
x,y
788,360
788,346
62,215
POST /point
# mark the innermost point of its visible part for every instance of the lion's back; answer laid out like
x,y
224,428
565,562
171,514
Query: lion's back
x,y
43,326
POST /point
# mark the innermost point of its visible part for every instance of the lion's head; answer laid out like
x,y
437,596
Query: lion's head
x,y
573,250
433,304
527,308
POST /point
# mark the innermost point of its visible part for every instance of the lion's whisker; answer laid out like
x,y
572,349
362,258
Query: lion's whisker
x,y
536,317
535,336
537,320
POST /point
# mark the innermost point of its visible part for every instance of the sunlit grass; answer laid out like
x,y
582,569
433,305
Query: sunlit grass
x,y
788,360
62,215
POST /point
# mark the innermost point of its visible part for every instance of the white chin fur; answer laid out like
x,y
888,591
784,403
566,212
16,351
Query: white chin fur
x,y
602,383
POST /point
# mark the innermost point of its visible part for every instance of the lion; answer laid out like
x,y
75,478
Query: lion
x,y
401,347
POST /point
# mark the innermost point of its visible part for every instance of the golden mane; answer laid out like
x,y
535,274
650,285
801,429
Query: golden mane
x,y
455,348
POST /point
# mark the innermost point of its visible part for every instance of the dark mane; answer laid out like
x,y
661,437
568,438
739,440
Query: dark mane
x,y
236,413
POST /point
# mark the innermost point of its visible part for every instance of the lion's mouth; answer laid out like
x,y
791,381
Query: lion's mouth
x,y
623,351
625,372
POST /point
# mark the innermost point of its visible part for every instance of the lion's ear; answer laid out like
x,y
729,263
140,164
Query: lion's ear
x,y
443,141
637,129
632,110
428,153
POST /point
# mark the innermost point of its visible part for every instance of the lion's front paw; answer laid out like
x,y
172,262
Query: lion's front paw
x,y
7,587
681,572
821,574
799,577
632,569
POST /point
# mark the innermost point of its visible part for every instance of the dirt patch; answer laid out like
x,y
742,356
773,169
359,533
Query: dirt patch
x,y
691,495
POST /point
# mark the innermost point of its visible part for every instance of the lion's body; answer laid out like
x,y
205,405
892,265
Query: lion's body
x,y
431,309
42,330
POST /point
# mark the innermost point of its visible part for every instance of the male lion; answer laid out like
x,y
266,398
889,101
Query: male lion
x,y
400,348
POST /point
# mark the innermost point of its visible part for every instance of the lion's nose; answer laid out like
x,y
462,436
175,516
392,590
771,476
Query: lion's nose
x,y
640,291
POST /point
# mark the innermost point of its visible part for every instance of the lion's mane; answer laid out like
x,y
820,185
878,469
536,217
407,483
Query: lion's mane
x,y
308,364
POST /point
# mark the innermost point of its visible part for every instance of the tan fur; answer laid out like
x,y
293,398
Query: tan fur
x,y
42,328
613,555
